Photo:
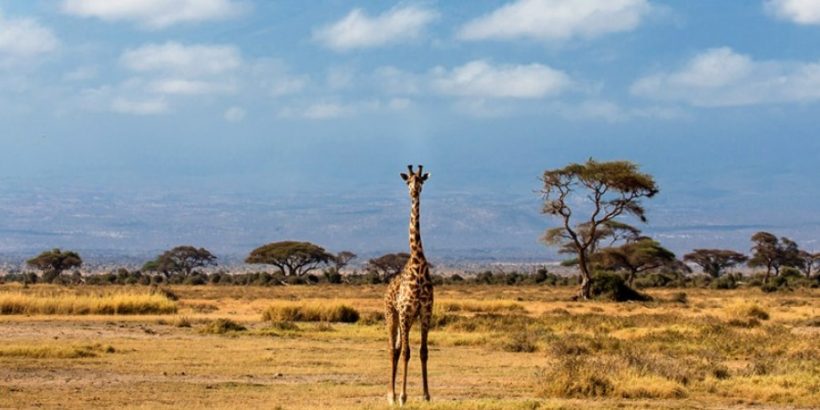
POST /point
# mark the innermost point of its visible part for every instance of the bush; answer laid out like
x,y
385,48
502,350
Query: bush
x,y
724,282
222,326
680,297
313,312
611,286
521,342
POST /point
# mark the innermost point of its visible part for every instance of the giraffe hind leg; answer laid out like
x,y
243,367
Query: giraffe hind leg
x,y
425,328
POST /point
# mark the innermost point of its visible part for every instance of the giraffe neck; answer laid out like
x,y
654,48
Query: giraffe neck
x,y
416,249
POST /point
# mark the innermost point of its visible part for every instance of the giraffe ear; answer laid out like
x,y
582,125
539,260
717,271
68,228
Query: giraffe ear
x,y
404,176
425,176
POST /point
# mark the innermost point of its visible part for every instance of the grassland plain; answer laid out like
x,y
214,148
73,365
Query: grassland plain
x,y
518,347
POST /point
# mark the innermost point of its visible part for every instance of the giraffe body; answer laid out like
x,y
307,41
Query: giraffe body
x,y
409,297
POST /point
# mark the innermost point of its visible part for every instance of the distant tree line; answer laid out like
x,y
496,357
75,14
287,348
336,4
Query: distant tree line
x,y
591,200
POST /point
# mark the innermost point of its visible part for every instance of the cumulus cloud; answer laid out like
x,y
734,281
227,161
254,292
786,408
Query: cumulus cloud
x,y
173,57
556,20
797,11
154,14
723,77
357,30
482,79
24,38
181,69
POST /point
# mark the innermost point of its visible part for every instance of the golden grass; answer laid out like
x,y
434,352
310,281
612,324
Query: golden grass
x,y
477,306
550,353
109,303
310,312
55,351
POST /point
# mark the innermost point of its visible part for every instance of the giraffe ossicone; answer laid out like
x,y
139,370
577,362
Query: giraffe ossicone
x,y
410,296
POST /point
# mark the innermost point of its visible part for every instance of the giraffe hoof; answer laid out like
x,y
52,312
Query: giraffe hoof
x,y
426,397
391,398
402,399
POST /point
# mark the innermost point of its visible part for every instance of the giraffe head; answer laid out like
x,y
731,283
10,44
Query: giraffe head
x,y
414,179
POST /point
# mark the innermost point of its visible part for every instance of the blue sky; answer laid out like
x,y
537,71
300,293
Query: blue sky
x,y
241,98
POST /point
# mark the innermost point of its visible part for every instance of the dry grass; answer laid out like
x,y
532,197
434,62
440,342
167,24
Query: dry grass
x,y
107,303
485,353
477,306
55,351
310,312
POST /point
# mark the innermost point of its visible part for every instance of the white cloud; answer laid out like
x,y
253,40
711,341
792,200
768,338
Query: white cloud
x,y
556,20
154,14
139,107
481,79
181,86
235,114
173,57
722,77
358,30
797,11
332,109
24,38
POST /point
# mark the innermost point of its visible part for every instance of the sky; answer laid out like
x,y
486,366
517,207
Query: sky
x,y
210,109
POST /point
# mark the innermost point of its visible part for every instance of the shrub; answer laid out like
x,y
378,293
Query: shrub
x,y
182,322
520,342
371,318
680,297
724,282
312,312
222,326
611,286
576,377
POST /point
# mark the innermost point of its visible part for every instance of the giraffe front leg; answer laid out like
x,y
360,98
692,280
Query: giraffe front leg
x,y
393,348
404,330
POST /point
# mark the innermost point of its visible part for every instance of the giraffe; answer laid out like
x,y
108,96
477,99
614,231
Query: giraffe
x,y
409,296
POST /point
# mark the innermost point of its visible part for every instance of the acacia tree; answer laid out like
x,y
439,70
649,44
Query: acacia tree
x,y
182,260
342,259
714,261
773,253
612,189
388,265
635,257
291,257
54,262
809,261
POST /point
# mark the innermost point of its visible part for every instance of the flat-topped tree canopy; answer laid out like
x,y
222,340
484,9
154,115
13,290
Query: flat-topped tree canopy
x,y
291,257
55,261
715,261
181,259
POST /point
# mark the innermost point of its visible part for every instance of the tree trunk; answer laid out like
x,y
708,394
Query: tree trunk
x,y
630,278
586,280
